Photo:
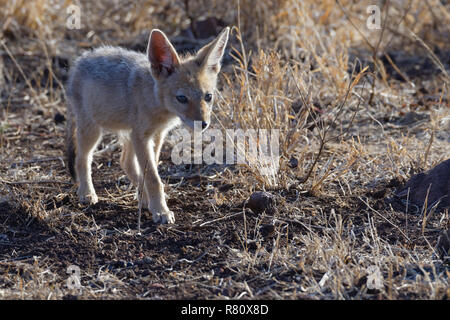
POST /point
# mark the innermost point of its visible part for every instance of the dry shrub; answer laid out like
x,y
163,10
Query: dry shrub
x,y
35,17
292,71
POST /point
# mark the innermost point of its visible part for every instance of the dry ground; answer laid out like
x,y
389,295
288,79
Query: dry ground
x,y
289,67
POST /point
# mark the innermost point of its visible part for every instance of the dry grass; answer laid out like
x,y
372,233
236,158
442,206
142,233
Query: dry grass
x,y
353,137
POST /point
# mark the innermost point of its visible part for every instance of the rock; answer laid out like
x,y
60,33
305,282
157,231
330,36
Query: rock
x,y
261,201
147,260
59,118
443,245
293,162
437,179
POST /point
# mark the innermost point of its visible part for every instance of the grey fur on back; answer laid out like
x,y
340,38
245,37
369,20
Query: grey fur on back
x,y
110,64
107,77
115,69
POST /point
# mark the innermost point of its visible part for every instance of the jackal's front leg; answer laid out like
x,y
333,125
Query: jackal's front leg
x,y
88,137
158,140
129,164
152,182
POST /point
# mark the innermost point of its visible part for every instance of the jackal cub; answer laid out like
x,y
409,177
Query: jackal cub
x,y
140,97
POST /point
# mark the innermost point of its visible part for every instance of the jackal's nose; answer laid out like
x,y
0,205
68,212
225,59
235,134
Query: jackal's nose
x,y
204,125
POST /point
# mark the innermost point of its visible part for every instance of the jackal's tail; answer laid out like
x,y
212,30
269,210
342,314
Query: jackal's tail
x,y
71,142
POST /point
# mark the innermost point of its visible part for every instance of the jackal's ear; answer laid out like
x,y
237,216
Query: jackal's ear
x,y
161,54
209,56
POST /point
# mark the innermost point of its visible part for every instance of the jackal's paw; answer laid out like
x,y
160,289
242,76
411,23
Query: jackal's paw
x,y
166,217
88,199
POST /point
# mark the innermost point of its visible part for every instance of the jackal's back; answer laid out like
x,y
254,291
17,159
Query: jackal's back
x,y
106,84
108,64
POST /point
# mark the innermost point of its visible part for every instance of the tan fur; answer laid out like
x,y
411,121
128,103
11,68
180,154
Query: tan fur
x,y
112,89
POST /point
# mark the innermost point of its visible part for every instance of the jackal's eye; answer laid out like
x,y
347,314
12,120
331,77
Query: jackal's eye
x,y
182,99
208,97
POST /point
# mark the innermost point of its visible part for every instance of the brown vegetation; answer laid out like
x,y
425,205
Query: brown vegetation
x,y
350,136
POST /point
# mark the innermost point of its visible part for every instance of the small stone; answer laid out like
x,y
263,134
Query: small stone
x,y
293,163
147,260
261,201
435,183
59,118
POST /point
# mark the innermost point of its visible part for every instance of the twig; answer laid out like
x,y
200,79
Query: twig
x,y
433,57
35,182
220,219
376,48
396,68
384,218
21,72
17,259
37,160
425,210
322,135
112,147
189,261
